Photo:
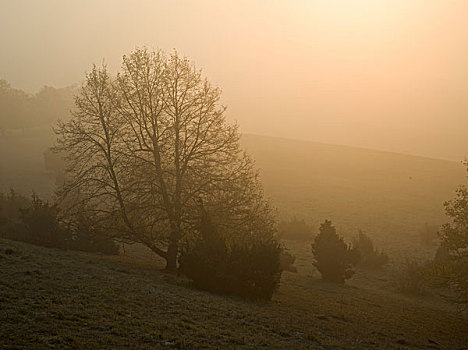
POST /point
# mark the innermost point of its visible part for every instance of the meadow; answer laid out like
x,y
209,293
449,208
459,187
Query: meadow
x,y
389,196
56,299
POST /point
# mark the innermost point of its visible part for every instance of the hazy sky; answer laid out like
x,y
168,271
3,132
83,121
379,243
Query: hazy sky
x,y
385,74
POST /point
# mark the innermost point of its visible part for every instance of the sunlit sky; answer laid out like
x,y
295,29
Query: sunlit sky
x,y
386,74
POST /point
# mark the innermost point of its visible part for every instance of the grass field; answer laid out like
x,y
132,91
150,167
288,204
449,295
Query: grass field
x,y
56,299
388,195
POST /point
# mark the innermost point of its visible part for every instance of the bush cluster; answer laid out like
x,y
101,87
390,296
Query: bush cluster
x,y
38,222
410,278
454,242
369,256
429,234
442,256
41,226
287,261
87,238
333,258
295,229
246,266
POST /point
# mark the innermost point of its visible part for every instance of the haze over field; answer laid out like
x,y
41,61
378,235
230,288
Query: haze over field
x,y
388,74
234,174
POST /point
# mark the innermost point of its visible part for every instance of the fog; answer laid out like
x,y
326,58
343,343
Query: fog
x,y
233,174
387,75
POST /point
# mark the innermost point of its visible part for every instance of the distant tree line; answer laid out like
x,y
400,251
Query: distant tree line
x,y
295,229
19,110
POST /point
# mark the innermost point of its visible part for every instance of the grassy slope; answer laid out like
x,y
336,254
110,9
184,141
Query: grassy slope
x,y
383,193
388,195
58,299
50,298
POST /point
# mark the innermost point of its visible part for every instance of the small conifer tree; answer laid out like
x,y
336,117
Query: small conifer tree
x,y
333,258
370,257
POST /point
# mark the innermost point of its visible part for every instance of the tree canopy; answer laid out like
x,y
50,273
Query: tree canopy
x,y
454,242
147,146
20,110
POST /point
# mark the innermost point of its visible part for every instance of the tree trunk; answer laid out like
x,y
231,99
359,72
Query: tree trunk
x,y
171,258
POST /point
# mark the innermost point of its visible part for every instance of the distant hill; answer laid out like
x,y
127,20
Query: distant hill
x,y
386,194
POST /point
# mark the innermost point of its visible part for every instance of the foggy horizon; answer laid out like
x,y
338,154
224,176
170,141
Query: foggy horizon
x,y
388,76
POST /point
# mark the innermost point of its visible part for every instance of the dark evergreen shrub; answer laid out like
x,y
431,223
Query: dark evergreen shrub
x,y
3,220
246,266
369,256
253,268
333,258
11,205
410,278
204,258
38,222
41,225
87,238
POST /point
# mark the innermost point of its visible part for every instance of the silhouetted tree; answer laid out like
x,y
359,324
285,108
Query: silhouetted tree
x,y
452,270
368,256
333,258
144,147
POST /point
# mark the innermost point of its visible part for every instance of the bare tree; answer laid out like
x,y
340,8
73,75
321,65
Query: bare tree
x,y
92,144
145,148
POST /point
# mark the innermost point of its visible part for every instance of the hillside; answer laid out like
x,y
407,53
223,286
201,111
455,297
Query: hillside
x,y
56,299
388,195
